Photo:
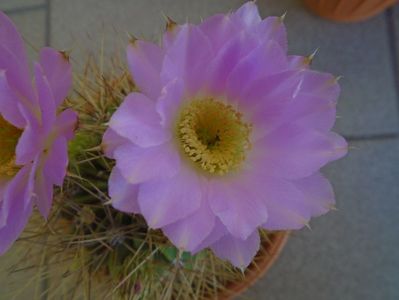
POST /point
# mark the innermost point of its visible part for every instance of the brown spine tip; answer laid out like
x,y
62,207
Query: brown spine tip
x,y
170,24
133,40
65,55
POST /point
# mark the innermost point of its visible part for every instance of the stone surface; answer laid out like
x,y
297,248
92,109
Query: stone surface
x,y
11,5
350,253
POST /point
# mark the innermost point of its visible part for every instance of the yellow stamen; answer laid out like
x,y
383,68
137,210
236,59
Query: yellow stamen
x,y
9,136
213,135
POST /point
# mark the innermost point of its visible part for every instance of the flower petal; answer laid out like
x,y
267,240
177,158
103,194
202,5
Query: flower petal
x,y
218,231
318,194
58,72
295,152
225,61
239,252
272,28
138,121
17,206
11,39
56,161
286,204
264,60
111,141
46,99
9,103
315,102
220,29
169,102
43,193
166,201
248,14
142,164
237,206
187,58
66,123
189,232
123,194
145,62
30,142
13,58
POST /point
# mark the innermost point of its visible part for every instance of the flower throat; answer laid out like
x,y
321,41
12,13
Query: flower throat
x,y
9,136
213,135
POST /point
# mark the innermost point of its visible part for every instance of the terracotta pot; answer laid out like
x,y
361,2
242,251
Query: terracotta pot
x,y
348,10
268,254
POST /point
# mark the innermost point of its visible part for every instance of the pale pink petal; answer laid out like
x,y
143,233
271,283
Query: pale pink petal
x,y
188,233
295,152
9,103
237,206
227,58
286,204
123,194
166,201
220,29
187,58
142,164
16,205
46,99
18,80
145,61
138,121
239,252
3,213
56,161
169,103
66,123
218,231
248,14
30,142
272,28
43,193
12,40
318,194
111,141
264,60
58,72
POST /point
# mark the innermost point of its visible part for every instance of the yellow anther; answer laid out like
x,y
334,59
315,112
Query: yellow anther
x,y
9,136
213,135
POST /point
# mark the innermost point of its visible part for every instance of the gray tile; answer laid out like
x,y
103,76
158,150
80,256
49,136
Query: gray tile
x,y
31,25
350,253
10,5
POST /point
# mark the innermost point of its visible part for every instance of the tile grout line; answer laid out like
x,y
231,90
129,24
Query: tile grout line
x,y
18,10
47,25
394,51
372,137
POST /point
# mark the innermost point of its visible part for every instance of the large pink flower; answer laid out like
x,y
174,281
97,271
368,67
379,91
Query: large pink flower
x,y
226,136
33,137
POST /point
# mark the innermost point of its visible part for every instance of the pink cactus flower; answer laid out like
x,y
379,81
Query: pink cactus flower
x,y
227,135
33,136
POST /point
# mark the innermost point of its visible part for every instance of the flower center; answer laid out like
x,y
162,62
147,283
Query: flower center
x,y
9,136
213,135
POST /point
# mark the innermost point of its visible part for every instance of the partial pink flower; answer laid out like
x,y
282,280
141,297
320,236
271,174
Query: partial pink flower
x,y
33,136
227,135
